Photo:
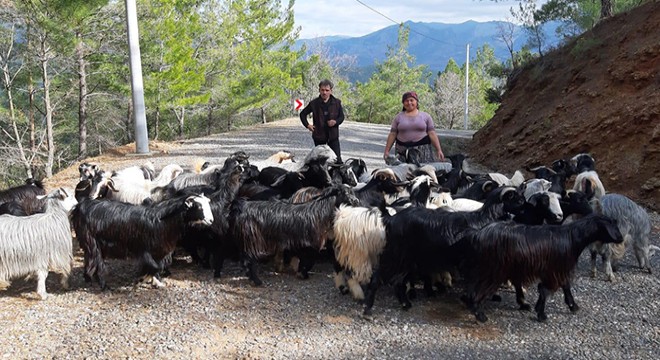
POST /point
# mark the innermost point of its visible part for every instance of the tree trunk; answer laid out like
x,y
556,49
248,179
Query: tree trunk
x,y
181,120
82,99
129,122
263,115
7,82
33,136
209,119
157,122
47,108
606,8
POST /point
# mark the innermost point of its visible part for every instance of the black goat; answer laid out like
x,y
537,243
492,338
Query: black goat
x,y
261,229
109,229
25,196
524,254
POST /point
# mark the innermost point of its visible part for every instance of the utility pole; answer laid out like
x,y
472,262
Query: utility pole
x,y
467,72
137,87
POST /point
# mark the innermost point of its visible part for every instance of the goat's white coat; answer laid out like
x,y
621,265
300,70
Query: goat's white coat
x,y
37,244
591,176
359,240
133,188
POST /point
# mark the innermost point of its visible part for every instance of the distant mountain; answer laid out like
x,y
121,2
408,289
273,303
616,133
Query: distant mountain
x,y
432,44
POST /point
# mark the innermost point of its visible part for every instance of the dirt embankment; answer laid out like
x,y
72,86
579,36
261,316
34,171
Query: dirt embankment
x,y
599,94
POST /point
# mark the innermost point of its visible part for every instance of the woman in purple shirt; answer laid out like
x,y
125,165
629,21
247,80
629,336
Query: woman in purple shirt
x,y
413,129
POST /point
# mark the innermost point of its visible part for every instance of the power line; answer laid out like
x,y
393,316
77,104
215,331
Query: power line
x,y
409,28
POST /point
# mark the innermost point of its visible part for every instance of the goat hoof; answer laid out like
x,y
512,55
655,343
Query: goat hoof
x,y
542,317
412,294
466,300
525,307
257,282
481,317
343,290
406,305
574,308
496,298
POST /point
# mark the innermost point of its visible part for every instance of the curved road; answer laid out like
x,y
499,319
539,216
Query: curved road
x,y
366,141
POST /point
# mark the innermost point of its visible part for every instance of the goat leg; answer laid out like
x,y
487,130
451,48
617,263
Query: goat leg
x,y
340,277
41,283
594,256
252,272
520,297
371,293
568,298
540,304
402,296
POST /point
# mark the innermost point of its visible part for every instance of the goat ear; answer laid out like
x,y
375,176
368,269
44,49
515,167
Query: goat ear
x,y
111,185
589,190
488,186
189,202
613,229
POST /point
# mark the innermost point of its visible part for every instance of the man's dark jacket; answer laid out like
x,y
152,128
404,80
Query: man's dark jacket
x,y
322,132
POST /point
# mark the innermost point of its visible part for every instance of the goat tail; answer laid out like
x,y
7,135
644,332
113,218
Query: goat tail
x,y
619,250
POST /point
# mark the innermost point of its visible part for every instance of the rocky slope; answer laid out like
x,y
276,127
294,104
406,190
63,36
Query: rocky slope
x,y
598,94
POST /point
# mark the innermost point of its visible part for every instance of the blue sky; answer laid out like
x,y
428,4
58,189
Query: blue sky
x,y
351,18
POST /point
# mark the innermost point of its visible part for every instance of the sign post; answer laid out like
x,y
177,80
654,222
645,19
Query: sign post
x,y
298,104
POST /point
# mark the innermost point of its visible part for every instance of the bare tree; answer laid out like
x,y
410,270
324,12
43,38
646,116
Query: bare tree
x,y
326,66
506,33
527,15
449,99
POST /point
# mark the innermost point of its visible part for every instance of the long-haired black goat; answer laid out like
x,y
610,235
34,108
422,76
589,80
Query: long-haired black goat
x,y
525,254
263,228
212,239
109,229
422,241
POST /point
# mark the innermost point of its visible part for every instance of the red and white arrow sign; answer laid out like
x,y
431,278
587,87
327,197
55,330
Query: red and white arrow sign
x,y
298,104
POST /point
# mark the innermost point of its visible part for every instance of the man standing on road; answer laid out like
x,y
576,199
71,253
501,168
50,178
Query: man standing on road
x,y
327,115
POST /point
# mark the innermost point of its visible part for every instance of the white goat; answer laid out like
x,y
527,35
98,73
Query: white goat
x,y
502,180
131,186
589,179
359,240
635,226
39,243
279,158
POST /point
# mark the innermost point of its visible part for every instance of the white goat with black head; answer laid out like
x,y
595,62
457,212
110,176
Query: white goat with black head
x,y
39,243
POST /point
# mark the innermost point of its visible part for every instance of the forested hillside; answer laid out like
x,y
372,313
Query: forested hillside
x,y
598,94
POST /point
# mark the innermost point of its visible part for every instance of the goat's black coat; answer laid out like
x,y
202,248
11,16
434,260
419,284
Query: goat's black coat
x,y
524,254
109,229
25,196
260,229
424,241
210,240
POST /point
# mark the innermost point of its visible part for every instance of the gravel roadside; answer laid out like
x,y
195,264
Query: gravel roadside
x,y
196,316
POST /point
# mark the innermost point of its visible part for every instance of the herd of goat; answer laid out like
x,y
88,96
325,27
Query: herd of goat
x,y
402,224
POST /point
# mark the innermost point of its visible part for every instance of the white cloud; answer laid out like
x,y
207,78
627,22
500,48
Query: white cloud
x,y
349,17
